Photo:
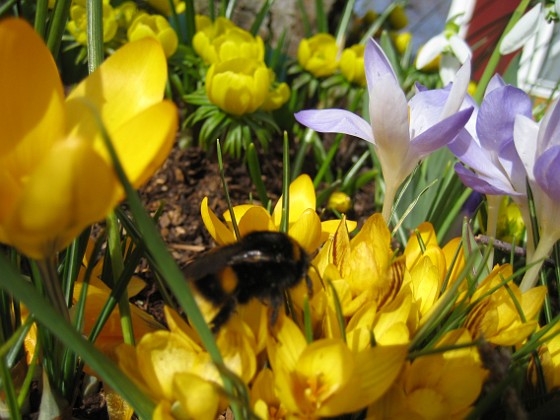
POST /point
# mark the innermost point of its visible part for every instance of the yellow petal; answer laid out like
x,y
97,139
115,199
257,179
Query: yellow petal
x,y
32,95
255,219
198,397
221,234
301,196
128,82
144,141
532,301
57,204
307,231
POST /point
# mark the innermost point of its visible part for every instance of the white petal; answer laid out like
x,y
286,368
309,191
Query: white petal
x,y
458,90
522,31
460,48
431,50
448,67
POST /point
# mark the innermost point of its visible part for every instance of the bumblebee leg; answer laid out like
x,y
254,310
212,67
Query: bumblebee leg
x,y
275,303
223,315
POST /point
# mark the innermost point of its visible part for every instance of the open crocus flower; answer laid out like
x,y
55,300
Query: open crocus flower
x,y
326,378
56,176
538,145
304,224
402,133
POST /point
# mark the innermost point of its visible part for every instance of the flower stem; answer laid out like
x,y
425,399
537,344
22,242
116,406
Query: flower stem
x,y
546,242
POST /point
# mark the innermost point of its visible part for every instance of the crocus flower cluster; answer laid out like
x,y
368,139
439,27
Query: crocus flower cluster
x,y
367,310
238,80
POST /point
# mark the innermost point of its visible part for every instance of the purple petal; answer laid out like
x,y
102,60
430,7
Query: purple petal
x,y
481,184
496,116
336,121
440,134
525,133
425,109
547,172
376,63
495,82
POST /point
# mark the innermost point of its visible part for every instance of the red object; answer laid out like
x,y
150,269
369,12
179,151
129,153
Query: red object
x,y
489,20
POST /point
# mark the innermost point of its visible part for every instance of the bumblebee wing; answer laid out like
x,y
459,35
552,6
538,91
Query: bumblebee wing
x,y
211,263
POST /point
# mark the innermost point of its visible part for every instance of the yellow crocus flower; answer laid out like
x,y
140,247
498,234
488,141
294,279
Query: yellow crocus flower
x,y
326,378
496,316
319,54
56,176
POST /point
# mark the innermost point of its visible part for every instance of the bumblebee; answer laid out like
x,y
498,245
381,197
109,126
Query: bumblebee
x,y
262,265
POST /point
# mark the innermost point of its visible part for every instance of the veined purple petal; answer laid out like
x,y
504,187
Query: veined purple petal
x,y
388,113
440,134
376,64
482,184
511,163
495,82
496,116
549,133
425,109
336,121
547,172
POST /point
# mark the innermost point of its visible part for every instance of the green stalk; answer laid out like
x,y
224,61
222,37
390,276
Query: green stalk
x,y
94,13
41,15
285,220
256,175
226,191
117,267
343,26
321,17
495,57
58,24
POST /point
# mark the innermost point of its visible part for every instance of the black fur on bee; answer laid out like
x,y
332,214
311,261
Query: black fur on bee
x,y
260,265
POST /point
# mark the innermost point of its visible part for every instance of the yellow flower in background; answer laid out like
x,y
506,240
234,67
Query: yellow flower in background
x,y
154,26
496,316
340,202
239,86
401,40
222,41
125,14
319,54
304,224
277,96
56,177
325,378
352,64
164,7
398,18
510,222
77,25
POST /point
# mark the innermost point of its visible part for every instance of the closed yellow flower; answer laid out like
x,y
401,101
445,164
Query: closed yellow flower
x,y
352,64
223,41
238,86
56,177
154,26
318,54
277,97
